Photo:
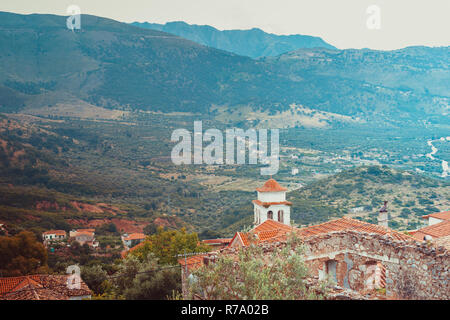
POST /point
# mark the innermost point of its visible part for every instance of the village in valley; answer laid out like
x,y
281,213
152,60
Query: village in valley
x,y
357,260
211,157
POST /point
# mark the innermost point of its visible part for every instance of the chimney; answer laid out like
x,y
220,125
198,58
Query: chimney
x,y
383,218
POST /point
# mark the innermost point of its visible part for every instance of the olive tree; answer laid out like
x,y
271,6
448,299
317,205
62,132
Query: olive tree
x,y
254,274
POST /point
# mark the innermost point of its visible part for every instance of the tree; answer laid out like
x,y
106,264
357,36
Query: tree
x,y
150,229
146,279
255,275
21,255
166,245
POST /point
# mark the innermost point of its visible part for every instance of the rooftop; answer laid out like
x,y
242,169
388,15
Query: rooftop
x,y
192,262
57,232
271,186
39,287
351,224
440,215
217,241
271,230
438,230
268,204
135,236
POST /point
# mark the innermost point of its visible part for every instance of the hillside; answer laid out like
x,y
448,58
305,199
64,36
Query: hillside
x,y
360,193
253,43
52,163
119,66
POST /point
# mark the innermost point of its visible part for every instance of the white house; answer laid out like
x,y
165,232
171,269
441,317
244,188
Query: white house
x,y
54,235
83,236
272,204
439,217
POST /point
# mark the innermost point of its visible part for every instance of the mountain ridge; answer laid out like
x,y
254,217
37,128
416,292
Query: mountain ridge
x,y
253,42
119,66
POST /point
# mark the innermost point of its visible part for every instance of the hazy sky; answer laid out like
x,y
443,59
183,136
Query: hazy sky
x,y
342,23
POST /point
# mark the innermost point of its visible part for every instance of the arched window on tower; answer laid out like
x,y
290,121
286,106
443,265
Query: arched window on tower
x,y
281,216
270,215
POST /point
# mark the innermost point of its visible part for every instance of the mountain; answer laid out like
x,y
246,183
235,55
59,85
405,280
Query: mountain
x,y
120,66
253,43
360,192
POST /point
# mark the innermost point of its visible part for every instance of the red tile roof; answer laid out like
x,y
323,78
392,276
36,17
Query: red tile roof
x,y
267,231
443,241
192,262
268,204
440,215
56,232
270,224
82,233
351,224
217,241
124,253
271,230
271,186
39,287
438,230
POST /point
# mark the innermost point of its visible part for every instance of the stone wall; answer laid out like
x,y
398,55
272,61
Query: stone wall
x,y
367,261
407,270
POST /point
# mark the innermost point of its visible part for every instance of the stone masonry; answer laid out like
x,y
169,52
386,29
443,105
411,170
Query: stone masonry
x,y
365,261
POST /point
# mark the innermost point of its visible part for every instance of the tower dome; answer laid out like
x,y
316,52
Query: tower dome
x,y
271,185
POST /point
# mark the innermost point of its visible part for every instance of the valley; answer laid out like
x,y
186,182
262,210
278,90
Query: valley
x,y
125,162
89,118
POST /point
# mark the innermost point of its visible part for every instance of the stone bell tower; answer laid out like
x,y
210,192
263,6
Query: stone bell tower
x,y
272,204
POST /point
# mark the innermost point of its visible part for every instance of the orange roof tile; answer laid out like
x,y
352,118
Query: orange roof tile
x,y
351,224
80,233
443,241
271,186
272,225
217,241
271,230
124,253
39,287
437,230
268,204
440,215
192,262
135,236
57,232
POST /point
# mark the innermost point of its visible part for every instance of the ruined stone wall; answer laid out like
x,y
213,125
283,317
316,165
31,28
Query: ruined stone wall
x,y
366,261
407,270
